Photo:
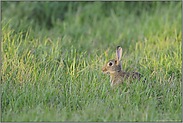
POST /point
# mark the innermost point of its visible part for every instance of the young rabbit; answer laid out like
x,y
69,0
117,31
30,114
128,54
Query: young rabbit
x,y
117,76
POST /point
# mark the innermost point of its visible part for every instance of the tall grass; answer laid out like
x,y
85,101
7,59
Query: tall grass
x,y
51,62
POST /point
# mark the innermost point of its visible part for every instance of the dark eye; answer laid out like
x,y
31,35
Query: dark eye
x,y
110,64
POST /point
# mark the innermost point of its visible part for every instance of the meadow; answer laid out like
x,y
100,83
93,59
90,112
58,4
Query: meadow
x,y
52,54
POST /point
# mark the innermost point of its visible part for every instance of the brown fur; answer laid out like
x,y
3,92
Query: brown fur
x,y
113,68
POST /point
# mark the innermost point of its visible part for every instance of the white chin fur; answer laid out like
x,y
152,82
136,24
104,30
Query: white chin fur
x,y
112,72
108,72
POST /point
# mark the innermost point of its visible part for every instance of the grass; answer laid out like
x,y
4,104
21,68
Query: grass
x,y
51,70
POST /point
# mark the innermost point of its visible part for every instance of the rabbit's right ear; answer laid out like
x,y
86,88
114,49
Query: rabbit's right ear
x,y
118,53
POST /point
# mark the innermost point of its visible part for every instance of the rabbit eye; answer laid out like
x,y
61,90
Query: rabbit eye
x,y
110,64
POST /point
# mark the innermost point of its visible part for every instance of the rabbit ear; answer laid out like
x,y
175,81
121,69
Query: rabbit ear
x,y
118,53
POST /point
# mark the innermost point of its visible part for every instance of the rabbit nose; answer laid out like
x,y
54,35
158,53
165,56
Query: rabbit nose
x,y
103,69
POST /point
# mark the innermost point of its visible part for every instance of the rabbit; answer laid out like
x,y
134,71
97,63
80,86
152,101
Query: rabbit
x,y
117,76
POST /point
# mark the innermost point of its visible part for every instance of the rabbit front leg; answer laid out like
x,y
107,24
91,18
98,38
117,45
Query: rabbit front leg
x,y
112,84
111,81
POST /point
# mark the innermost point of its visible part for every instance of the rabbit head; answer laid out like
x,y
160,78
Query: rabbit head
x,y
114,65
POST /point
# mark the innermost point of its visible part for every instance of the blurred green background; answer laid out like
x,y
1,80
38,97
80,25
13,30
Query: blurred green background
x,y
52,53
110,23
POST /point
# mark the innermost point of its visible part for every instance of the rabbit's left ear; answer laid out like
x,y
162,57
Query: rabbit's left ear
x,y
118,53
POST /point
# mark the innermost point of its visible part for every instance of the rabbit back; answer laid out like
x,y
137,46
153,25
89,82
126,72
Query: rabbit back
x,y
121,77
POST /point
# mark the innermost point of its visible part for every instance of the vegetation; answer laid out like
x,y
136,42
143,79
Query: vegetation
x,y
52,54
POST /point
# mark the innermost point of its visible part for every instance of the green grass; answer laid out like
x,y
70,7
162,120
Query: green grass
x,y
51,62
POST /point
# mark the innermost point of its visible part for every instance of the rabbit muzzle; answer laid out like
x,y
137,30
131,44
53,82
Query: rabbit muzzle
x,y
104,70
